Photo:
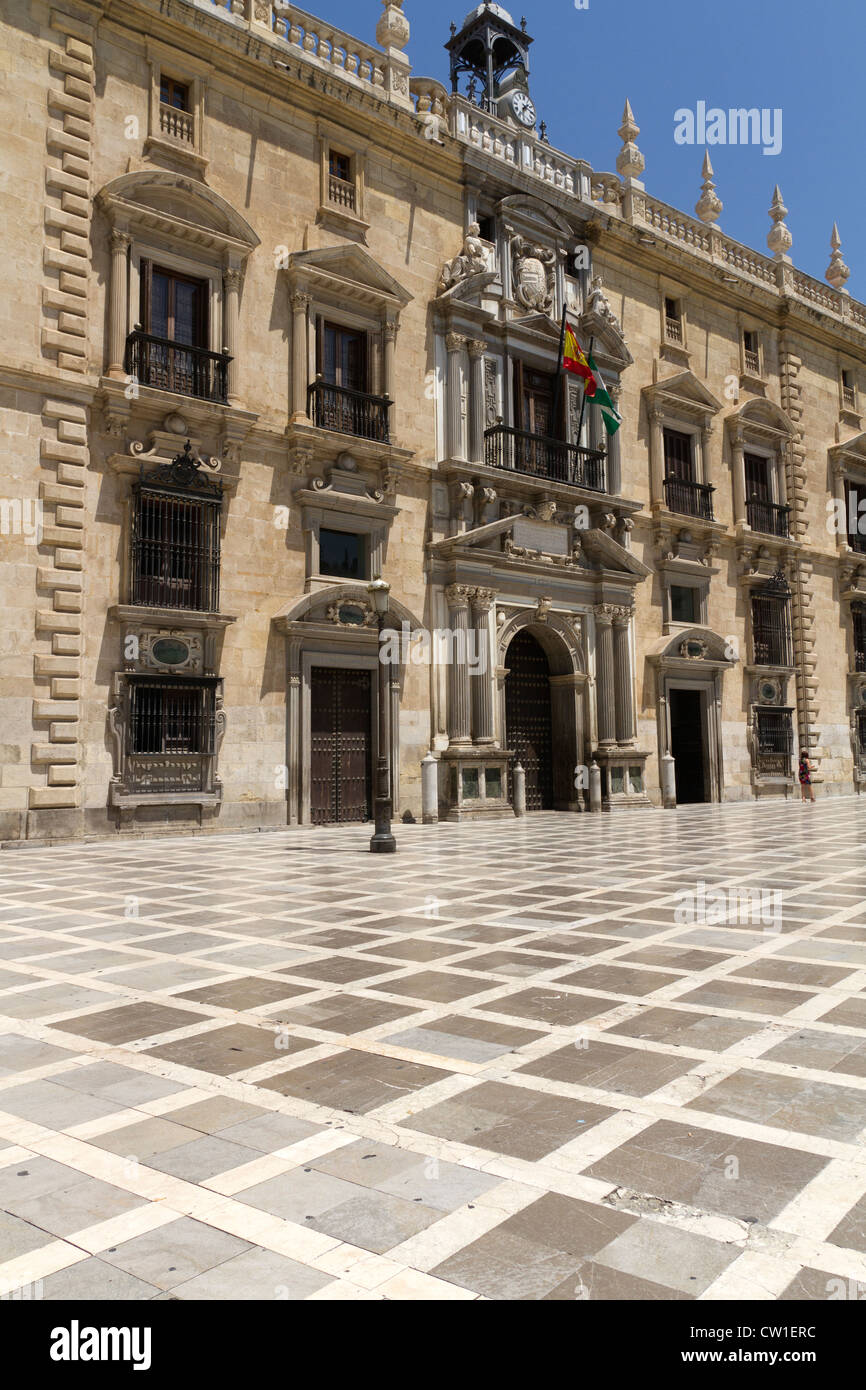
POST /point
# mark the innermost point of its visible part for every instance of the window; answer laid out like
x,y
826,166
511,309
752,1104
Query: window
x,y
683,494
342,555
173,306
171,735
684,604
341,182
487,228
771,630
763,513
343,357
849,400
751,352
679,455
673,321
775,740
169,350
861,734
175,551
175,111
340,399
858,622
172,93
856,497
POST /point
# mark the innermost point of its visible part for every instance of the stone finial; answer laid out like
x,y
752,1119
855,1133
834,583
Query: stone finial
x,y
779,239
837,271
392,31
709,205
630,162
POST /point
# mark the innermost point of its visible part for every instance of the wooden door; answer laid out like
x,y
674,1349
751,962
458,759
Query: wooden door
x,y
341,751
528,720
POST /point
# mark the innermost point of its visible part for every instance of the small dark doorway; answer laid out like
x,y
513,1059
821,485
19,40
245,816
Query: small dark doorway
x,y
687,745
341,753
528,722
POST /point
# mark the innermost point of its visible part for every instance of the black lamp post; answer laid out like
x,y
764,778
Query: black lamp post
x,y
383,841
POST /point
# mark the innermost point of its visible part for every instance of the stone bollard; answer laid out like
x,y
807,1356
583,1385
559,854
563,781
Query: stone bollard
x,y
594,787
669,782
519,790
430,790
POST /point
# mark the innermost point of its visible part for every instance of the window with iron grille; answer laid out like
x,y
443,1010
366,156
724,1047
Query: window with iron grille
x,y
175,550
858,622
171,735
856,498
771,630
775,740
861,734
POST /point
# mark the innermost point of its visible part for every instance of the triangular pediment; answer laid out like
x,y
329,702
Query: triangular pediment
x,y
541,324
683,391
351,265
599,548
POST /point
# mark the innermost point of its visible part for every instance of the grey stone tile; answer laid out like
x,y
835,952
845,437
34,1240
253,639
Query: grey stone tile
x,y
174,1253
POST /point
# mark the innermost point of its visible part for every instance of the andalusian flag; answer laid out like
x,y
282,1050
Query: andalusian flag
x,y
574,360
600,397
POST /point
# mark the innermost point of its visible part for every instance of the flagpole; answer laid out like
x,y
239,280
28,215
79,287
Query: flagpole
x,y
558,387
583,402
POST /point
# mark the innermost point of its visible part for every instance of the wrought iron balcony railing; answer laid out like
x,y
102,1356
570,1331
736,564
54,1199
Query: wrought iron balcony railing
x,y
541,457
349,412
770,518
688,498
190,371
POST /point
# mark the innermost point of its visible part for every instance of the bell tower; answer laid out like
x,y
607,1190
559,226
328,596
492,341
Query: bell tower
x,y
492,54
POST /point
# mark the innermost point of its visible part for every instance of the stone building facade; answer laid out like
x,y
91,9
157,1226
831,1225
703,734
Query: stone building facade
x,y
281,317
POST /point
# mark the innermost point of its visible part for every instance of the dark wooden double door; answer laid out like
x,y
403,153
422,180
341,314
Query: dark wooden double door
x,y
341,745
528,721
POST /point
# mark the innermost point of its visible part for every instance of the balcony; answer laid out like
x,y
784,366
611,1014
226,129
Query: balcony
x,y
349,412
540,457
770,518
688,498
176,124
341,192
190,371
752,362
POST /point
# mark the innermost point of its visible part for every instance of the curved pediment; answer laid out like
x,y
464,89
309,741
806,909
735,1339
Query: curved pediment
x,y
692,646
535,213
176,205
343,605
762,416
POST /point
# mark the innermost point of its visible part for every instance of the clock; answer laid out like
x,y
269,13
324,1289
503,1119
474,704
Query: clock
x,y
523,109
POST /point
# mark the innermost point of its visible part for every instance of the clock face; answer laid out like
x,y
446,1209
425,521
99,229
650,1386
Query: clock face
x,y
523,108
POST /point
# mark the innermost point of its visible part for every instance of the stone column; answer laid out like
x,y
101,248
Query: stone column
x,y
231,299
118,323
300,304
706,439
454,343
623,688
389,335
657,457
614,448
476,400
482,680
738,477
605,695
459,702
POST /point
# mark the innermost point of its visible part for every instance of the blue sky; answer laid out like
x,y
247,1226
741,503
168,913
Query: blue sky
x,y
804,58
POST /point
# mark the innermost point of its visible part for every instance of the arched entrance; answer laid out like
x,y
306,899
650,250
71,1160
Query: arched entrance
x,y
528,718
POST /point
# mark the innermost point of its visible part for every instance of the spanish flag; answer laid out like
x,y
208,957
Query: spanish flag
x,y
574,360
